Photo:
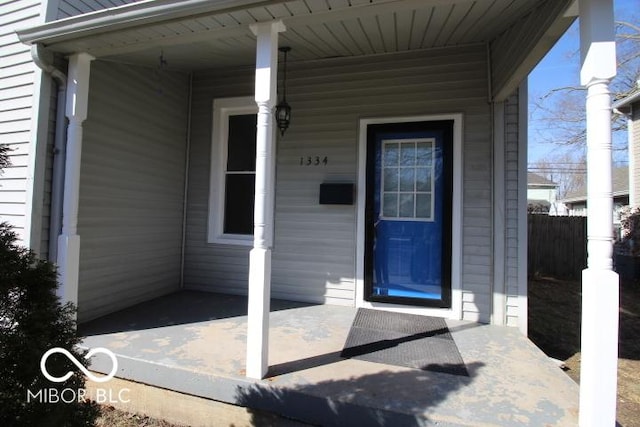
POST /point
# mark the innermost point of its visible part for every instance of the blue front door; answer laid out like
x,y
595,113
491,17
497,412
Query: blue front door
x,y
408,213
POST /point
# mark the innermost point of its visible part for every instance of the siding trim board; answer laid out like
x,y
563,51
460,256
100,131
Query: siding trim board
x,y
633,129
499,286
511,204
455,312
523,113
36,229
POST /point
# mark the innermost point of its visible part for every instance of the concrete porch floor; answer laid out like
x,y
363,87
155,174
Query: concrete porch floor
x,y
194,343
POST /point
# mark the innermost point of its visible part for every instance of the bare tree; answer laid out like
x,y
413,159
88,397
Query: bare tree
x,y
568,170
561,111
628,52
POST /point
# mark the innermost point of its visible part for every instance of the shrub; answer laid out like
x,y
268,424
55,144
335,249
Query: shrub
x,y
4,157
629,244
32,321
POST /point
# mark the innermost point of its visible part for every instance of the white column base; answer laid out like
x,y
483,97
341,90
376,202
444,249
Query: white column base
x,y
258,314
599,359
68,268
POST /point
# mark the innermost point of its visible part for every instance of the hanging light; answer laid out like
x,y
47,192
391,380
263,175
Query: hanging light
x,y
283,109
160,72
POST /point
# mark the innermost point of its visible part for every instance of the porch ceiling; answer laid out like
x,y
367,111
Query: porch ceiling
x,y
315,29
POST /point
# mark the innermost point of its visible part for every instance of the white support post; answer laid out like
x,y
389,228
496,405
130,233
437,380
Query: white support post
x,y
69,240
260,256
599,359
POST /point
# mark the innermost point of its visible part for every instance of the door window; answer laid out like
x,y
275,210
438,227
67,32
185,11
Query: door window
x,y
408,179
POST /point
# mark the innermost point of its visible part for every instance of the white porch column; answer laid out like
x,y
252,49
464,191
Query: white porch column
x,y
260,256
598,378
69,241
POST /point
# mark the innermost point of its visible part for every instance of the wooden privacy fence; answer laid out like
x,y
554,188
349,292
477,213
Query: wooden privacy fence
x,y
557,246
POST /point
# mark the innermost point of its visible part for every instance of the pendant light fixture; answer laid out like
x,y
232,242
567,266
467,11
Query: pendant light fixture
x,y
283,109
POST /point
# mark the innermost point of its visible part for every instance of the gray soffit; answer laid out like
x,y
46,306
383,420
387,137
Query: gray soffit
x,y
198,34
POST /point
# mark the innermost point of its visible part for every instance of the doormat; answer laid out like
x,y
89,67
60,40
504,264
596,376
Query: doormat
x,y
407,340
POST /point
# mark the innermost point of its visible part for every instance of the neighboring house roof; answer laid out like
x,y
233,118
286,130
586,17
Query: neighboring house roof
x,y
628,100
620,186
539,202
533,179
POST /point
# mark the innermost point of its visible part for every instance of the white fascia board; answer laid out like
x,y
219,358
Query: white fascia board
x,y
126,16
580,199
627,101
541,186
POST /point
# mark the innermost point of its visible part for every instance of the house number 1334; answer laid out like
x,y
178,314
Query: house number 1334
x,y
314,161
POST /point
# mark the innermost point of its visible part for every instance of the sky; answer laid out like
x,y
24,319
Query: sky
x,y
561,68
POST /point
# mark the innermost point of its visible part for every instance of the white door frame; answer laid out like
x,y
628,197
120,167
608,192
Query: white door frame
x,y
455,311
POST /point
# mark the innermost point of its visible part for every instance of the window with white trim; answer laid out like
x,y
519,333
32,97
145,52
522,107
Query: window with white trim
x,y
233,171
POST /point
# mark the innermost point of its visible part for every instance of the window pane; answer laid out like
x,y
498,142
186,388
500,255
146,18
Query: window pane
x,y
390,154
390,179
423,179
424,153
238,205
390,205
406,205
241,154
408,154
406,179
423,206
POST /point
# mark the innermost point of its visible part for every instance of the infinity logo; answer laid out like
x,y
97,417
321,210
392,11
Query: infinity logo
x,y
112,356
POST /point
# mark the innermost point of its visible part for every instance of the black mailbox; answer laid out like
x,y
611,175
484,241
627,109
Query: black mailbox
x,y
336,194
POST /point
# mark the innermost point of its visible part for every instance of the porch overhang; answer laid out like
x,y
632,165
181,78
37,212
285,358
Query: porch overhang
x,y
200,34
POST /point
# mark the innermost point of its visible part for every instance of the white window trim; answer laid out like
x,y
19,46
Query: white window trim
x,y
455,312
222,109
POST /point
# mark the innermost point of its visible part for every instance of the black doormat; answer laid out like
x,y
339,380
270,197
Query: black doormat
x,y
401,339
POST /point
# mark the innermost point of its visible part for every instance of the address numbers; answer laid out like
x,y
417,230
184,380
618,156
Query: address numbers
x,y
314,161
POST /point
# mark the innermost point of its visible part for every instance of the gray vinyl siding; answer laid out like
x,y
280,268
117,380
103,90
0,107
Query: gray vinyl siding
x,y
511,210
131,187
17,84
477,222
69,8
220,268
314,248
